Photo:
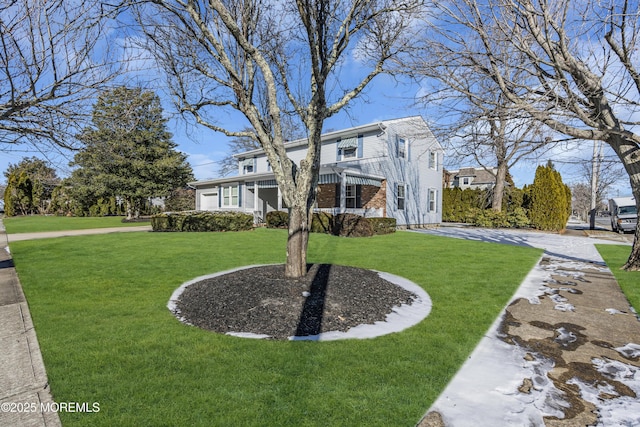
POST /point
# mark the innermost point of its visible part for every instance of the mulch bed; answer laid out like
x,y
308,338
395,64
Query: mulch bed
x,y
260,300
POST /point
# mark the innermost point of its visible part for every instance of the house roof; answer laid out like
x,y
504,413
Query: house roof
x,y
479,175
483,177
353,176
329,136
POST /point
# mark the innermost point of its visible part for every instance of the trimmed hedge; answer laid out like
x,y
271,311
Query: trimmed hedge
x,y
322,223
277,219
202,221
346,225
383,225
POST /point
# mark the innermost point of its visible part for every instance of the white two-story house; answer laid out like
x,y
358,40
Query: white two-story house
x,y
391,168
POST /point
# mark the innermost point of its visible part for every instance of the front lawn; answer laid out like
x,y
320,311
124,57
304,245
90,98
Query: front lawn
x,y
616,256
39,223
99,308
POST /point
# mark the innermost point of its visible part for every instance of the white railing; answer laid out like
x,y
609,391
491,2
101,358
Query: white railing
x,y
368,213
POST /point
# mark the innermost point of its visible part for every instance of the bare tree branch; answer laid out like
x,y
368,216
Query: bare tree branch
x,y
53,61
579,61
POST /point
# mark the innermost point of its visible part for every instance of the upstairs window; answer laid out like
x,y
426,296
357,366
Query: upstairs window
x,y
248,166
349,148
401,148
349,153
433,160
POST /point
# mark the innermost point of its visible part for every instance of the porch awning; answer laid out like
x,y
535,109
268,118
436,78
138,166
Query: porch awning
x,y
330,178
360,180
333,178
268,183
348,143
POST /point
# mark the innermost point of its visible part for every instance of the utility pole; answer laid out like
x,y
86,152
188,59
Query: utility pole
x,y
595,178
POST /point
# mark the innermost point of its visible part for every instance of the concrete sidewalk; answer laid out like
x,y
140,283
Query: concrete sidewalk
x,y
24,388
64,233
564,352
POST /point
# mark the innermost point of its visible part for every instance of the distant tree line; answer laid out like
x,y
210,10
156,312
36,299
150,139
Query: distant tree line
x,y
543,205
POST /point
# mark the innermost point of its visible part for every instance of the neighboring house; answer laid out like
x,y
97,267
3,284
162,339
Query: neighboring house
x,y
473,178
391,168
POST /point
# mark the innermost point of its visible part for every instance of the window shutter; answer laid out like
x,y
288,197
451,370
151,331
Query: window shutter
x,y
395,194
358,196
337,202
360,145
338,149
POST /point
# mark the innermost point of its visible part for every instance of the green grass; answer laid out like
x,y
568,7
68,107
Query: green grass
x,y
99,308
616,256
39,223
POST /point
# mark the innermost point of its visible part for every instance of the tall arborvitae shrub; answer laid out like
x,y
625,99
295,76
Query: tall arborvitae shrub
x,y
548,200
18,196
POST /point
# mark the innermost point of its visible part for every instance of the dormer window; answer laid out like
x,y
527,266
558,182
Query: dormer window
x,y
247,166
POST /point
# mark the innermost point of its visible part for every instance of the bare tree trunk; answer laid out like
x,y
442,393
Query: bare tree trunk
x,y
633,263
629,154
498,190
297,242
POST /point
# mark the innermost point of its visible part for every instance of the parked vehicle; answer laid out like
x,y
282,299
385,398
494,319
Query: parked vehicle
x,y
624,214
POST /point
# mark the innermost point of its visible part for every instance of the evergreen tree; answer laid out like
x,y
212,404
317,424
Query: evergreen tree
x,y
128,152
31,182
549,200
18,196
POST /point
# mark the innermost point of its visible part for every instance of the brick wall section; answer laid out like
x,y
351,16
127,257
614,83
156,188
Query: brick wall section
x,y
375,197
326,197
371,196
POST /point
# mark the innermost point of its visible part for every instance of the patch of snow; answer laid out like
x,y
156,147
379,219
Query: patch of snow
x,y
614,311
630,350
613,409
487,386
306,294
565,337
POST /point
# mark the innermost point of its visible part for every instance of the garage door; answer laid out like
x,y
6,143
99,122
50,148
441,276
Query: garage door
x,y
209,201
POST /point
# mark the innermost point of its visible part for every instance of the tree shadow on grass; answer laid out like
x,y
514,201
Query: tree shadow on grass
x,y
310,322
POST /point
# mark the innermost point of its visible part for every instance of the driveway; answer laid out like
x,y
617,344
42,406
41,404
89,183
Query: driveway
x,y
564,352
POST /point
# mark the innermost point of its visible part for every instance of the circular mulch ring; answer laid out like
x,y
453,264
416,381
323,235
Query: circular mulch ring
x,y
330,302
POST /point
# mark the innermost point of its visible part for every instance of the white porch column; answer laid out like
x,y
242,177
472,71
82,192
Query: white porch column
x,y
343,192
256,199
279,199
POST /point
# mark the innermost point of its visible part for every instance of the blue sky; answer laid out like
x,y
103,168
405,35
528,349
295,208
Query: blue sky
x,y
384,99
